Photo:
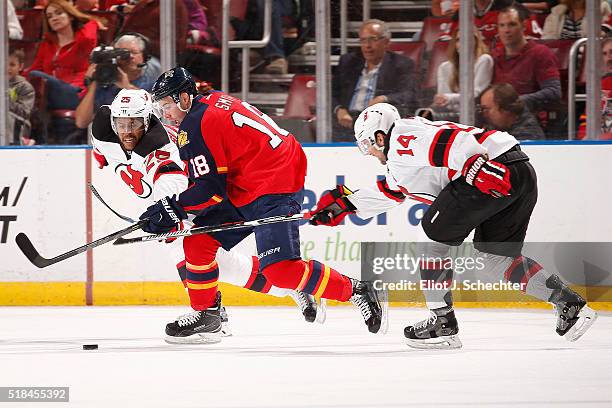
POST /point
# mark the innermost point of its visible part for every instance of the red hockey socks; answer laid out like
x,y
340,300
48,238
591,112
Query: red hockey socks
x,y
311,277
257,281
202,270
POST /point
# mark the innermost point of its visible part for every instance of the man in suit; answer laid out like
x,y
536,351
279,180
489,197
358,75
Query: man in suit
x,y
370,76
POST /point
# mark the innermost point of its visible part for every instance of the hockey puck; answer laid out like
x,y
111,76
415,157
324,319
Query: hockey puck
x,y
90,346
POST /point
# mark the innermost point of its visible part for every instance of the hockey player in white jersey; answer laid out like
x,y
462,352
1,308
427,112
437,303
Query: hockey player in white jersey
x,y
130,140
474,180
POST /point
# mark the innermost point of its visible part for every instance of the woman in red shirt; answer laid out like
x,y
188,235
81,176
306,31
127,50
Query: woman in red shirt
x,y
63,55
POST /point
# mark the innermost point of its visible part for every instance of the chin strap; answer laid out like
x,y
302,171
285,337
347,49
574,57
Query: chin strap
x,y
178,105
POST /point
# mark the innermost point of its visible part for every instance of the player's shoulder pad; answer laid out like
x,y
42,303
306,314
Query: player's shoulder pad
x,y
412,124
155,138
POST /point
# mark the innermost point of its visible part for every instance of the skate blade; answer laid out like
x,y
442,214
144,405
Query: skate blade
x,y
199,338
438,343
322,311
586,318
226,331
383,300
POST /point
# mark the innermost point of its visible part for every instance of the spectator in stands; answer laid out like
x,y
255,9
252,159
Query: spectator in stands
x,y
139,72
529,67
14,28
536,6
143,18
200,33
21,4
120,6
446,101
370,76
441,8
87,5
251,28
62,57
274,52
502,109
20,99
485,18
565,21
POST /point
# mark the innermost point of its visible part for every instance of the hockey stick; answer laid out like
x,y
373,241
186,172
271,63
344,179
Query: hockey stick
x,y
26,246
214,228
99,197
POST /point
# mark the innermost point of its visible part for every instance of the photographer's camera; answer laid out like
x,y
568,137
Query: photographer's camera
x,y
107,59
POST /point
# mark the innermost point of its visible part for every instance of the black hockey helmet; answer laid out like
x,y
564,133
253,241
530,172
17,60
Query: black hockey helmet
x,y
172,83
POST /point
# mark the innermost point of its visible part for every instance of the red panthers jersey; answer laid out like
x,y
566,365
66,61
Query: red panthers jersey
x,y
234,151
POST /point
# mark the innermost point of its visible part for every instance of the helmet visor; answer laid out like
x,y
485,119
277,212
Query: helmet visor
x,y
162,107
128,125
364,145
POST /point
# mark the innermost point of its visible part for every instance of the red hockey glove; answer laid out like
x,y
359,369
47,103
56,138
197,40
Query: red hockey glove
x,y
490,177
99,158
332,207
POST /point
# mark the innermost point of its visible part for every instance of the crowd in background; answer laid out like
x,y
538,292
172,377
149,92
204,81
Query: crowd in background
x,y
79,54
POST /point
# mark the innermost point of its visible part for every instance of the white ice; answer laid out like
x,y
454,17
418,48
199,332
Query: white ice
x,y
510,358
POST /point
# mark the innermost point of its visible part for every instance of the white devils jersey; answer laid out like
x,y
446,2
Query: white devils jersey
x,y
153,170
423,157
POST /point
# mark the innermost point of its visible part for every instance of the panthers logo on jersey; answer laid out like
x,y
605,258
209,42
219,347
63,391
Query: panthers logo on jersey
x,y
182,139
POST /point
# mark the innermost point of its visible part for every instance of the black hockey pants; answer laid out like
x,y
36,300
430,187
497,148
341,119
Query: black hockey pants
x,y
500,223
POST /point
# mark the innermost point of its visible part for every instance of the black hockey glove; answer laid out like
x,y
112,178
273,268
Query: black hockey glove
x,y
163,216
332,207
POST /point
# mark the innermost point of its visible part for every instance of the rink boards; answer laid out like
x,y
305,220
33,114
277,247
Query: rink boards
x,y
44,194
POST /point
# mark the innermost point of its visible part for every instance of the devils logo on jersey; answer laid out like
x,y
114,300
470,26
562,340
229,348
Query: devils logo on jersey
x,y
134,179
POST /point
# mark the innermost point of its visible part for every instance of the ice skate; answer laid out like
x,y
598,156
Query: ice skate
x,y
574,319
226,331
308,306
373,305
197,327
439,331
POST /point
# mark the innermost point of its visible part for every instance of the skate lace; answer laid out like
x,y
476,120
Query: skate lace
x,y
189,318
430,320
301,298
363,306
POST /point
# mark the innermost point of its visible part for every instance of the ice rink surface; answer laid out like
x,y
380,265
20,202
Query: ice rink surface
x,y
510,358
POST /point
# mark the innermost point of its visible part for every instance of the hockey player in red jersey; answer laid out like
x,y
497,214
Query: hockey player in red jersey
x,y
478,180
242,166
131,141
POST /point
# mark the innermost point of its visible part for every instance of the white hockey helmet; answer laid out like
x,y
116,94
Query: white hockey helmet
x,y
132,103
378,117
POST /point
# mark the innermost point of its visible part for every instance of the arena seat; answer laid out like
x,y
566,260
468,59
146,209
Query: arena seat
x,y
438,56
29,48
413,50
299,112
31,21
432,27
38,114
44,120
301,98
